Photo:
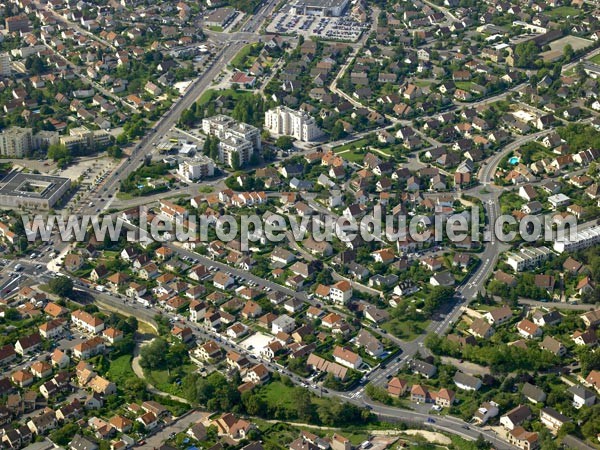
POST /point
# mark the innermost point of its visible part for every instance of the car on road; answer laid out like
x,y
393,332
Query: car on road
x,y
430,420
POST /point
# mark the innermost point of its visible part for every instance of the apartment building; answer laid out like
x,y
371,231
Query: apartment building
x,y
5,68
196,169
236,138
284,121
84,137
16,142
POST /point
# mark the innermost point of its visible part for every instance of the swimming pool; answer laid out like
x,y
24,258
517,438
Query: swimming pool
x,y
513,160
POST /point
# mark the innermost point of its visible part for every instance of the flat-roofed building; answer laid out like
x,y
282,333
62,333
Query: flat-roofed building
x,y
527,258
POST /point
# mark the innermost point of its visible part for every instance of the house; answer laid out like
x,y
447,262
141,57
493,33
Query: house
x,y
591,318
346,357
582,396
442,279
553,345
87,322
523,439
397,387
257,374
515,417
481,328
223,280
81,443
487,411
552,419
423,368
41,369
543,318
528,329
28,344
498,316
341,292
466,382
444,397
43,423
587,338
148,420
419,394
283,323
369,343
533,393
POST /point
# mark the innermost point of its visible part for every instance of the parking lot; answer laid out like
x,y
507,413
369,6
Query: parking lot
x,y
334,28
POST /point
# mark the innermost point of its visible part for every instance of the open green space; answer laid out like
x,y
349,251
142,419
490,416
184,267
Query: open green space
x,y
562,12
405,329
120,369
595,59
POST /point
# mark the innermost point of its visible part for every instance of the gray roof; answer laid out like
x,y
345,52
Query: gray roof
x,y
581,392
533,392
467,380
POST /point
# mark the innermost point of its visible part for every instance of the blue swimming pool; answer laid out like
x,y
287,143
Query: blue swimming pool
x,y
513,160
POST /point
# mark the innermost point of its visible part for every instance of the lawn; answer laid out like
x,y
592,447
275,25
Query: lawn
x,y
355,156
464,85
120,369
562,12
351,145
595,59
210,94
240,60
164,380
277,393
405,329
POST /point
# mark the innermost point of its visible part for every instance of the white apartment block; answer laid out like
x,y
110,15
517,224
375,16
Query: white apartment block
x,y
16,142
582,239
235,137
5,69
232,145
284,121
196,169
527,258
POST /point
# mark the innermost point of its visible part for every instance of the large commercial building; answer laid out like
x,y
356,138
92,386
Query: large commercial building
x,y
284,121
32,191
582,239
16,142
5,69
235,138
197,168
528,258
84,137
328,8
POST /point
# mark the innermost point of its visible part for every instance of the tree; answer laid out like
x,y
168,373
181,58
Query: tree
x,y
154,355
57,152
235,161
338,132
61,286
285,142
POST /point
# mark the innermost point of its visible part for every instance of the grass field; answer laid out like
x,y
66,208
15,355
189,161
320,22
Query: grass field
x,y
210,94
562,12
464,85
354,144
595,59
405,329
120,369
239,60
